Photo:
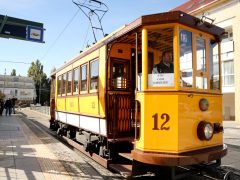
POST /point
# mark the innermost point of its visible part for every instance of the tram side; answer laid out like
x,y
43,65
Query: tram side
x,y
80,101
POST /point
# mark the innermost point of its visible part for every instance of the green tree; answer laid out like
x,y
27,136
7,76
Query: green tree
x,y
2,95
42,84
13,73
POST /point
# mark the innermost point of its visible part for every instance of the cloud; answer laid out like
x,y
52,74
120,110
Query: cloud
x,y
16,5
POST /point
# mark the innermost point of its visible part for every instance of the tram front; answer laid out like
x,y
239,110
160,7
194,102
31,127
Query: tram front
x,y
178,95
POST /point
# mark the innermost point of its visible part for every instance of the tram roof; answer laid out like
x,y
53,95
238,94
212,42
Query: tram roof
x,y
152,19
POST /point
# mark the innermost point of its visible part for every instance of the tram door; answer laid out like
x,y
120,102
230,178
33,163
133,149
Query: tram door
x,y
120,98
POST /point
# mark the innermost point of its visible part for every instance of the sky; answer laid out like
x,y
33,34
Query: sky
x,y
67,29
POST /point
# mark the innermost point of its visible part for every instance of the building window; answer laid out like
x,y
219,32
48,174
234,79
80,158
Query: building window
x,y
84,77
75,79
228,73
94,75
69,82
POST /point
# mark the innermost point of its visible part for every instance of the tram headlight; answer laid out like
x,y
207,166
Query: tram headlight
x,y
205,130
203,104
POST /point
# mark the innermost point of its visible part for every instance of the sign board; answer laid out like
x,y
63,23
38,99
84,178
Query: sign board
x,y
21,29
161,80
34,34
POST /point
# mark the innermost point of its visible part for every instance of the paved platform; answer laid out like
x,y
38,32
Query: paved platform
x,y
23,155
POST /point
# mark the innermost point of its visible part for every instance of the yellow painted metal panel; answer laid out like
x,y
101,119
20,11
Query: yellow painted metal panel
x,y
89,105
190,117
72,104
102,80
159,122
169,121
61,104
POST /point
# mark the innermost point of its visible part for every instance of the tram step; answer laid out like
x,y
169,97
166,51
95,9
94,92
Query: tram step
x,y
123,169
126,155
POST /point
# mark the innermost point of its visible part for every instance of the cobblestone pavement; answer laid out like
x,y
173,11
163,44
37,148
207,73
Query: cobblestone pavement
x,y
34,154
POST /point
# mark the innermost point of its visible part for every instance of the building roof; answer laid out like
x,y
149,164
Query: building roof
x,y
193,5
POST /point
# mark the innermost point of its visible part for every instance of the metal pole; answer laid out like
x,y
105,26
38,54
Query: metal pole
x,y
40,92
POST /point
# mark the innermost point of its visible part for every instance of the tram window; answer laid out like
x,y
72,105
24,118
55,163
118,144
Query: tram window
x,y
120,75
201,83
59,80
69,82
201,80
63,84
161,71
186,58
94,75
214,66
84,77
75,80
201,54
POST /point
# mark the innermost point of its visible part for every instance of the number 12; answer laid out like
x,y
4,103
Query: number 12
x,y
164,117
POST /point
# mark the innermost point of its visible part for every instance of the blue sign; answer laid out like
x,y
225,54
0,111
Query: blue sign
x,y
35,34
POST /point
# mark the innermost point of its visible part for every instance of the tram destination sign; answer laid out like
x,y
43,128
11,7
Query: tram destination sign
x,y
15,28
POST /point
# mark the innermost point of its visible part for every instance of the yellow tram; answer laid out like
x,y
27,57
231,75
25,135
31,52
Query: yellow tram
x,y
114,97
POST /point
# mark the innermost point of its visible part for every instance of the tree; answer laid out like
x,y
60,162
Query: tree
x,y
42,84
13,73
2,95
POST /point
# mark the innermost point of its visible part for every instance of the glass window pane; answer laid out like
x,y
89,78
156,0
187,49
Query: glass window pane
x,y
75,78
201,54
186,58
228,73
94,75
84,78
69,83
120,75
214,66
59,85
64,84
160,57
201,83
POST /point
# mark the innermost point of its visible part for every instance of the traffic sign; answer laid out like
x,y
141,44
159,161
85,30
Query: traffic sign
x,y
21,29
35,34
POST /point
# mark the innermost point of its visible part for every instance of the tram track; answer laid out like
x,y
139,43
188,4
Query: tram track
x,y
43,132
85,168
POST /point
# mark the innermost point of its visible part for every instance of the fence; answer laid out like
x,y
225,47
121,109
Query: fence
x,y
41,109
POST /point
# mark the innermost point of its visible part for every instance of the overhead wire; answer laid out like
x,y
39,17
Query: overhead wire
x,y
18,62
60,34
85,38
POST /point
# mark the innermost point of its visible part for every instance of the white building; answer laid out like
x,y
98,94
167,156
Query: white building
x,y
22,88
226,14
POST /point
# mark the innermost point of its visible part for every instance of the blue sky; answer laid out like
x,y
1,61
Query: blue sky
x,y
62,45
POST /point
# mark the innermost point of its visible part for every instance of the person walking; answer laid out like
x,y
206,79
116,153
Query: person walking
x,y
8,106
13,104
1,106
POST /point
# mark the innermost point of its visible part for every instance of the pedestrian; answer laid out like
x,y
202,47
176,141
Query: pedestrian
x,y
8,106
13,104
1,106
